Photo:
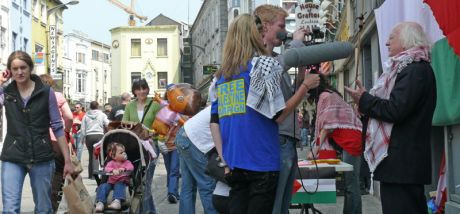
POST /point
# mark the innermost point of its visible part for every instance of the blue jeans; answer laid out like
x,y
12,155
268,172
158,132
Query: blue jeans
x,y
12,178
148,206
172,169
192,166
104,189
304,136
352,203
287,174
78,145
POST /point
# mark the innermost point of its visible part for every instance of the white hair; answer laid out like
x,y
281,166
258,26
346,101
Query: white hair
x,y
412,35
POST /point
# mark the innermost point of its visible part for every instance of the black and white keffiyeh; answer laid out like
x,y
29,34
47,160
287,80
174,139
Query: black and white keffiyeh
x,y
265,95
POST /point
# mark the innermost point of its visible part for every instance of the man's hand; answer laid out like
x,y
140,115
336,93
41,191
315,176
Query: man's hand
x,y
356,93
300,33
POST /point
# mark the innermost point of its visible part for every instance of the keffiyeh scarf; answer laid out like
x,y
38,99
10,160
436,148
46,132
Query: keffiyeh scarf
x,y
333,112
265,95
379,132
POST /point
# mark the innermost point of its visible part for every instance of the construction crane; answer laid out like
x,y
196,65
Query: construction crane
x,y
130,11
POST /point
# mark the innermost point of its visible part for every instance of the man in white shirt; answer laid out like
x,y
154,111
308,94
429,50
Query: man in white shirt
x,y
193,141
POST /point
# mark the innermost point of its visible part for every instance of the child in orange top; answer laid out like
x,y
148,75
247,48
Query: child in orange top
x,y
118,180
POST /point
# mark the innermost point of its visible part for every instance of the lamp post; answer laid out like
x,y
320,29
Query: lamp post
x,y
52,42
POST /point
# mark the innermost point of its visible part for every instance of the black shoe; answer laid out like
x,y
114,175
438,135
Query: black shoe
x,y
172,199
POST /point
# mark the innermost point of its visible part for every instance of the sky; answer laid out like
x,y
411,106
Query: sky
x,y
96,17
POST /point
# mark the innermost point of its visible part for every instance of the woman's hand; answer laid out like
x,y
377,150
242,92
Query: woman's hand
x,y
6,75
310,80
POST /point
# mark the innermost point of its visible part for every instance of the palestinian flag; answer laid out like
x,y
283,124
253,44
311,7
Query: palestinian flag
x,y
439,19
446,61
314,186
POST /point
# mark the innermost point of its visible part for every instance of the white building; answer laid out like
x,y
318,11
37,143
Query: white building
x,y
77,74
100,76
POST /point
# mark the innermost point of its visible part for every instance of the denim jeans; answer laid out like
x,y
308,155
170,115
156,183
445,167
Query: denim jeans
x,y
148,206
78,145
104,189
12,179
304,136
192,166
287,174
172,170
352,202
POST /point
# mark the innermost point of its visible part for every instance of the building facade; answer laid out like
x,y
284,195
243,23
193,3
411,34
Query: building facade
x,y
100,74
20,25
150,52
78,70
4,33
208,35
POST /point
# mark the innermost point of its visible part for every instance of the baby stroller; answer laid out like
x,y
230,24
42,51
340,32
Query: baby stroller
x,y
138,156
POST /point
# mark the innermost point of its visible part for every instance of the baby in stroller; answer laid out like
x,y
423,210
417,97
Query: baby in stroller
x,y
118,169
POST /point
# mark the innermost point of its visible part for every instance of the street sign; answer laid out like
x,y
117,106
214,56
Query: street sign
x,y
52,50
209,69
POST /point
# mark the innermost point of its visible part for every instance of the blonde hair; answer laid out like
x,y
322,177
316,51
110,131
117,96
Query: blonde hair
x,y
242,42
269,13
47,80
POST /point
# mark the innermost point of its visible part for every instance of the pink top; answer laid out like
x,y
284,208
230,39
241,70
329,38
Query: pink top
x,y
66,113
112,165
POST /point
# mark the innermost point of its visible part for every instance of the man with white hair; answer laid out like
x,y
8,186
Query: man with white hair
x,y
400,109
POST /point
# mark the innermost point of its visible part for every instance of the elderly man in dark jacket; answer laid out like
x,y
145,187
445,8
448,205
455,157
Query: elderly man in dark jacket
x,y
400,109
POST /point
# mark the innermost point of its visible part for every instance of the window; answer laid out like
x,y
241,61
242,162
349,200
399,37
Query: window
x,y
162,47
187,50
15,37
25,44
162,80
43,13
235,13
80,58
80,82
135,76
38,48
136,47
95,55
105,57
96,74
187,58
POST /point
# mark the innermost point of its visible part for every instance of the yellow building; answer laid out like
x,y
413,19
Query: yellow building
x,y
47,31
150,52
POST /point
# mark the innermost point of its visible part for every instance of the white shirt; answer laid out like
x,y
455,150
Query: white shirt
x,y
222,189
198,130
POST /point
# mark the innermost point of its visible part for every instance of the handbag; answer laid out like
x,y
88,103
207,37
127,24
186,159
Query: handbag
x,y
214,167
138,128
78,199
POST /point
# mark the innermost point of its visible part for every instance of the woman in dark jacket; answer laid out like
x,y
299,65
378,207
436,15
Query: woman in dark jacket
x,y
30,109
